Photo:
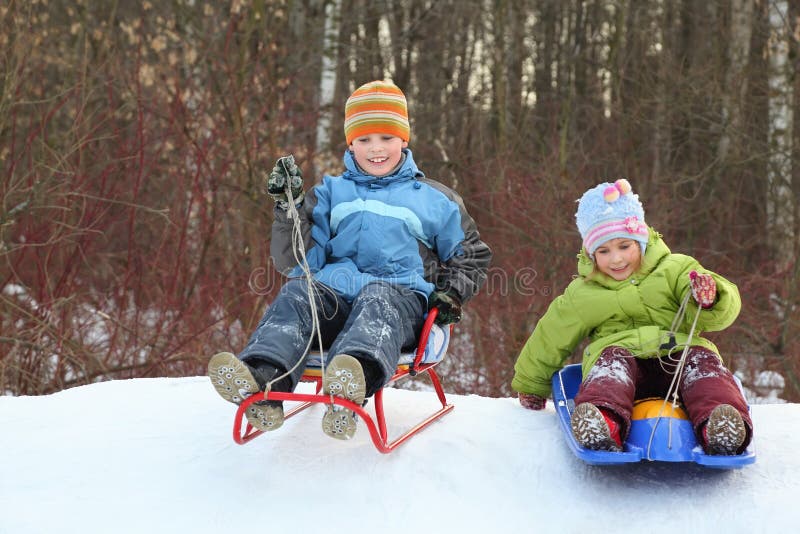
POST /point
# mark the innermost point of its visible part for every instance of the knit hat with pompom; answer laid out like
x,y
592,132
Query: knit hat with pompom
x,y
608,211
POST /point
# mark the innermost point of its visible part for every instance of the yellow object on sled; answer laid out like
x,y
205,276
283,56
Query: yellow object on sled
x,y
655,407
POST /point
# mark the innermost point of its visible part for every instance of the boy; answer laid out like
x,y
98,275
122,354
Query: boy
x,y
383,242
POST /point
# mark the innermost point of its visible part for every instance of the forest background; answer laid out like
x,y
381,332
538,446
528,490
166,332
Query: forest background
x,y
134,231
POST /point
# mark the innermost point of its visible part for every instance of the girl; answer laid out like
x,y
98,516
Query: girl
x,y
625,300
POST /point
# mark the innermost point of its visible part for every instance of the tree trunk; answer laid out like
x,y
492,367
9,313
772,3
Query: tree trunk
x,y
327,83
545,34
735,88
662,136
499,103
780,198
515,57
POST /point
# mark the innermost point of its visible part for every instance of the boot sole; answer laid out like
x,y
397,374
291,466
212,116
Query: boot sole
x,y
725,431
344,378
591,430
234,382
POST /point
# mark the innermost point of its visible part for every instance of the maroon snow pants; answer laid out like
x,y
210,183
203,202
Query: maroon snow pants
x,y
618,379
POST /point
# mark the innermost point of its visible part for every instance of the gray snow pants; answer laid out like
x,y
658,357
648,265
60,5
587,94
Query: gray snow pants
x,y
618,378
381,321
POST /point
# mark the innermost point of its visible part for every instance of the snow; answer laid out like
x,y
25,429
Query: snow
x,y
156,455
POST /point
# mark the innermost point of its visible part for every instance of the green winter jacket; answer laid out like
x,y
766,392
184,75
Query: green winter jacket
x,y
635,314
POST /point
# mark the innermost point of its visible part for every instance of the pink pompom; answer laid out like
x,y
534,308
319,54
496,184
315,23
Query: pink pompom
x,y
610,193
623,185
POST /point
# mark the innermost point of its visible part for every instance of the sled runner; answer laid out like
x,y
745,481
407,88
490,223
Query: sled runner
x,y
668,438
431,349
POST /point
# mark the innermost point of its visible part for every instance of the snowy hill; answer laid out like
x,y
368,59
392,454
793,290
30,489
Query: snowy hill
x,y
156,455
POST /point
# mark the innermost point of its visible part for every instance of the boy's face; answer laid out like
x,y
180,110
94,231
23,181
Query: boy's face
x,y
378,154
618,258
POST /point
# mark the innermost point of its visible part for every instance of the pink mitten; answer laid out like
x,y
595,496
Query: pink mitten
x,y
704,289
531,401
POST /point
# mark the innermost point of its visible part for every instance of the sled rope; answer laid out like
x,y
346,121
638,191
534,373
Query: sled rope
x,y
672,391
299,251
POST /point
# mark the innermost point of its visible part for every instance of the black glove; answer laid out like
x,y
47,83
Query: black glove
x,y
285,172
449,307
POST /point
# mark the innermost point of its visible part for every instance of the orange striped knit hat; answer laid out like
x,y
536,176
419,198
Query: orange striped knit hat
x,y
376,107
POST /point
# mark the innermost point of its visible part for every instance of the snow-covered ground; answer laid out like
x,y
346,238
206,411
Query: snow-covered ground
x,y
156,455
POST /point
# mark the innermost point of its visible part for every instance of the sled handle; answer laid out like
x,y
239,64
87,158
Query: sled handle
x,y
423,340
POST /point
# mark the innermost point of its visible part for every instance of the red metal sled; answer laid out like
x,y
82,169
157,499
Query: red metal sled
x,y
376,425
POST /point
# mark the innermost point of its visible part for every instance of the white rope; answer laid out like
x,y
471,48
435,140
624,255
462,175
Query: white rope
x,y
299,251
672,391
666,338
673,387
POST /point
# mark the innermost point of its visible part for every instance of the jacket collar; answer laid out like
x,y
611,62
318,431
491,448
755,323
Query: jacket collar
x,y
407,171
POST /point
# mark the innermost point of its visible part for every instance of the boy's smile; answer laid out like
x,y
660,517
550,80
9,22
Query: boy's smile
x,y
378,154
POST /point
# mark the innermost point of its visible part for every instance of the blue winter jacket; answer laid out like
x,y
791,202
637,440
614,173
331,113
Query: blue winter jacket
x,y
402,228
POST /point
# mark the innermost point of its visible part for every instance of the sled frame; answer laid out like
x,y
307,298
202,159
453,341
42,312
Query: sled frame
x,y
243,432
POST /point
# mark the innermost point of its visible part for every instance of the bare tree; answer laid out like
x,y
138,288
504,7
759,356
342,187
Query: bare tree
x,y
327,84
780,201
735,85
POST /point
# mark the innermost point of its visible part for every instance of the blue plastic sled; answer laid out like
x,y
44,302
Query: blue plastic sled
x,y
661,439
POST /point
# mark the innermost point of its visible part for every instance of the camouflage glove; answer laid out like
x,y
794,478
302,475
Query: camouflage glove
x,y
531,401
285,174
704,289
449,307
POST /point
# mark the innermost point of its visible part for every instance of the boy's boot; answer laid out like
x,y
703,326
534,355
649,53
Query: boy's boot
x,y
344,378
725,431
235,381
595,428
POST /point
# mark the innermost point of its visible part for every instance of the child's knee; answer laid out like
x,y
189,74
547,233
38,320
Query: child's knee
x,y
703,363
614,365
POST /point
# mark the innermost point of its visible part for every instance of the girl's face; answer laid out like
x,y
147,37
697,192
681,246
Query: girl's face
x,y
378,154
618,258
